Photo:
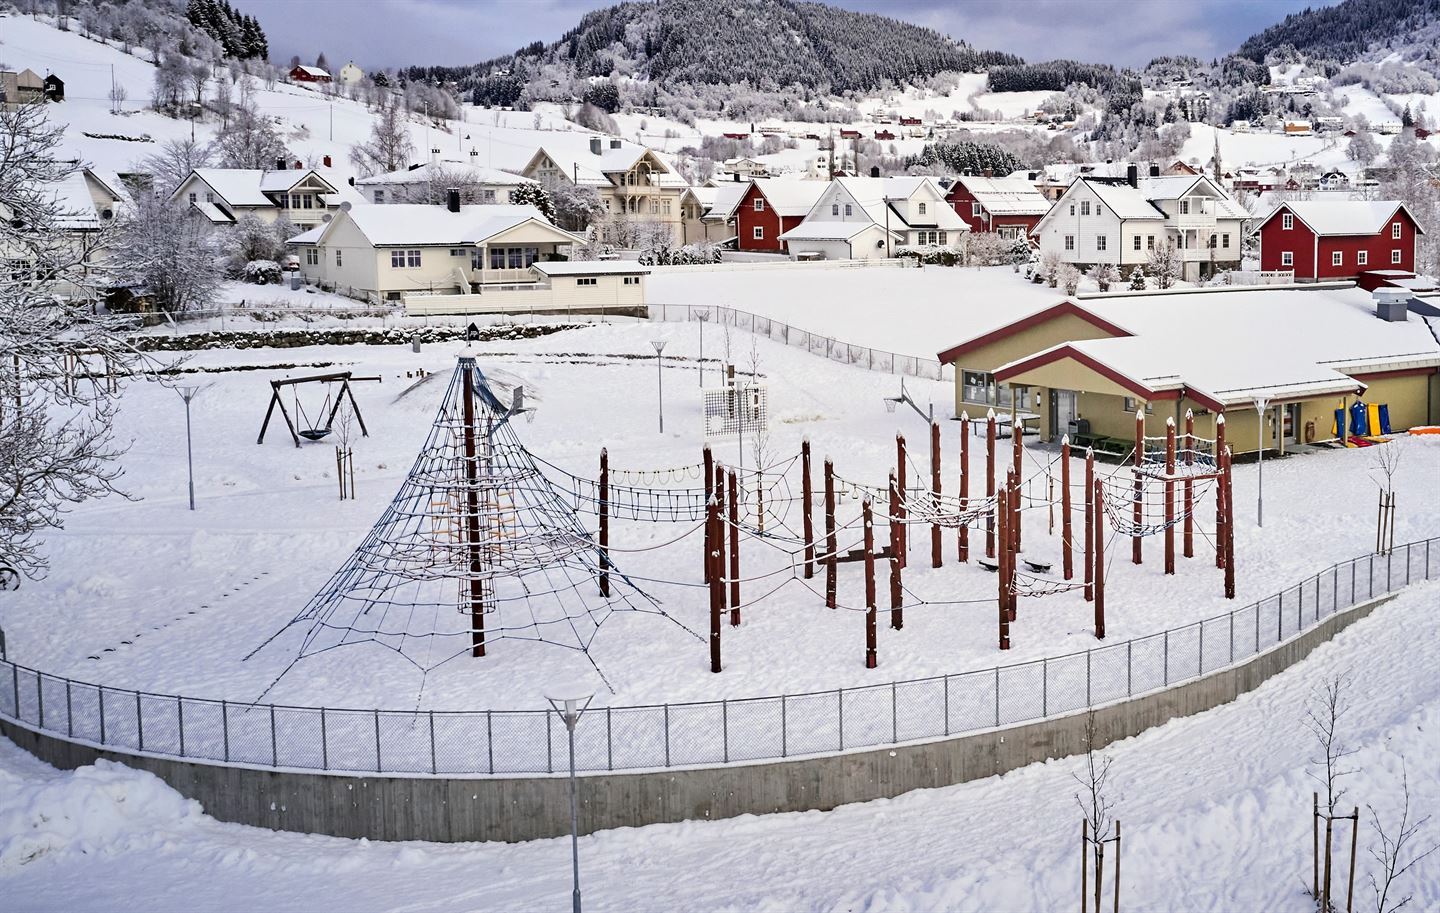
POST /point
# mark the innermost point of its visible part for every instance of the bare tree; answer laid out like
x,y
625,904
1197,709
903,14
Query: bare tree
x,y
390,146
117,96
1095,802
172,164
1164,264
249,139
168,251
1397,853
1328,708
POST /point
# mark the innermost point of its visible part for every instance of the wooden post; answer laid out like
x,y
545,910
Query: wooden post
x,y
1220,449
830,545
1067,565
1099,870
990,482
472,512
707,472
897,614
715,557
1138,509
1325,880
1092,506
604,522
1014,540
1117,866
1002,515
1098,561
964,547
1084,865
733,499
900,481
1169,495
1188,544
1017,436
870,661
1315,845
1229,526
807,520
936,538
1354,836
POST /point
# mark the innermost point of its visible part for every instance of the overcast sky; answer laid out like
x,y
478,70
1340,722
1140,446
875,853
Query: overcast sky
x,y
1123,32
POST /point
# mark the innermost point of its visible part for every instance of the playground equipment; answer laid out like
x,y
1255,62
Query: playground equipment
x,y
310,430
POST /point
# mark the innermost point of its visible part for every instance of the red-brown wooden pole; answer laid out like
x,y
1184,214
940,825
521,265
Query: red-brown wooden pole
x,y
806,517
715,558
1188,542
1219,492
1169,495
1014,485
1066,561
900,481
1092,506
990,482
830,545
1017,435
1002,574
964,548
708,471
1229,525
472,513
936,536
604,522
732,495
897,614
870,661
1138,510
1098,560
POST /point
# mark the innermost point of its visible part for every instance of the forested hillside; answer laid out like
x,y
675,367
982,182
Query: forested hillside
x,y
1344,31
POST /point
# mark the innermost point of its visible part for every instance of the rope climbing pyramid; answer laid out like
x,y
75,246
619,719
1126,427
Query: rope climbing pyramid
x,y
477,546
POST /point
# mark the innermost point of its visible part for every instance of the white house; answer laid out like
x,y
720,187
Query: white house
x,y
350,74
1121,220
478,184
633,183
868,218
300,195
86,201
387,251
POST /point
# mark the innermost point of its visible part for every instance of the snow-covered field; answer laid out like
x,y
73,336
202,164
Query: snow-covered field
x,y
1214,810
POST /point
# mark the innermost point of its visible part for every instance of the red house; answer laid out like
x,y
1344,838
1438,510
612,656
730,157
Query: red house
x,y
1338,239
849,134
308,74
909,121
771,207
884,135
1008,206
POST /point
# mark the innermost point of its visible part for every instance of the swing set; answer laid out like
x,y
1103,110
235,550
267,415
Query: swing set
x,y
329,408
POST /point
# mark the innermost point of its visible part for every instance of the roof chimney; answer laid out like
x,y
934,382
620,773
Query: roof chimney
x,y
299,164
452,199
280,164
595,145
987,172
1132,175
1392,303
326,160
874,171
1154,170
614,142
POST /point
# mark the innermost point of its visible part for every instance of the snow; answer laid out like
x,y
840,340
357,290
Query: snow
x,y
1214,808
424,224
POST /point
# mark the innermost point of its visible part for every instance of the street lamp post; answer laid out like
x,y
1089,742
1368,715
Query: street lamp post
x,y
187,394
570,704
659,345
1260,405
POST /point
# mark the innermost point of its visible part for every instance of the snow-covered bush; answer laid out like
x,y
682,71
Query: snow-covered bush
x,y
1050,266
1137,279
261,272
932,254
1069,278
1103,275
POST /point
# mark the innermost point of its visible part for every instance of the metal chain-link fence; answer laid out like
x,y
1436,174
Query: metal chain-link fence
x,y
705,733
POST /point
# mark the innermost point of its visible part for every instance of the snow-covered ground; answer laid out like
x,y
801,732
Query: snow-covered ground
x,y
1214,810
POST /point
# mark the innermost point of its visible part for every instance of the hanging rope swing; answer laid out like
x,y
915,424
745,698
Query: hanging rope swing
x,y
308,429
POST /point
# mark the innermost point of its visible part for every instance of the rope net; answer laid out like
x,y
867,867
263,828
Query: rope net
x,y
477,546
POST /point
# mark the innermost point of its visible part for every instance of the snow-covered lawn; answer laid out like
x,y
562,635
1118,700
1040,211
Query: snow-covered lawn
x,y
1214,810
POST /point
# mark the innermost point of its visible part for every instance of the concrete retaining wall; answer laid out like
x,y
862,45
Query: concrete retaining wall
x,y
526,808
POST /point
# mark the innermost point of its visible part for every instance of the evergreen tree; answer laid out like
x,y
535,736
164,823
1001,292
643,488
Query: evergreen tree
x,y
534,195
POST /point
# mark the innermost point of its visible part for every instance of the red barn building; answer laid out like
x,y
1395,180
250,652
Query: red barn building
x,y
1338,239
1010,207
308,74
771,207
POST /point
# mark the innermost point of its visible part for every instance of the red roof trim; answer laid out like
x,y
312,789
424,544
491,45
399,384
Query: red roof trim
x,y
1068,351
1057,310
1283,207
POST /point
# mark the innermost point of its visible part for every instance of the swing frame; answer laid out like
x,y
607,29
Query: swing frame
x,y
276,386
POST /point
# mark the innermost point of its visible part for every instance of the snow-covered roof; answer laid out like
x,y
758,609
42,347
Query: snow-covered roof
x,y
790,196
826,230
1010,196
724,198
1344,217
1173,187
313,71
466,169
77,205
423,225
212,212
249,186
573,155
309,237
591,268
1125,201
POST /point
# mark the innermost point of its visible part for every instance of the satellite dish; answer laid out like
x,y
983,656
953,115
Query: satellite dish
x,y
345,206
327,217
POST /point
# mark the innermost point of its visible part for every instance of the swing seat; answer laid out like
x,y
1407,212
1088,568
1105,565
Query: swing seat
x,y
314,434
1037,565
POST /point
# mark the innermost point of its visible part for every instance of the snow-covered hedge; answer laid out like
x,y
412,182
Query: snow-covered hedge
x,y
341,336
261,272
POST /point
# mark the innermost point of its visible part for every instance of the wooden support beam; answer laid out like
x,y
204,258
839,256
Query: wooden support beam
x,y
1017,436
1220,448
1002,575
936,536
897,613
870,634
1188,543
830,545
1098,561
1228,482
472,513
900,481
1138,506
1066,561
964,544
1169,495
990,482
604,522
733,501
806,509
715,557
1092,507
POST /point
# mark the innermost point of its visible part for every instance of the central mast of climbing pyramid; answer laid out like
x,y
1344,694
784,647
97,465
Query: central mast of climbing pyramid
x,y
478,596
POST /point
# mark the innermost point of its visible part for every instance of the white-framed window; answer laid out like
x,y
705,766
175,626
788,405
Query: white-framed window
x,y
758,232
1225,240
1100,242
339,258
1084,207
404,259
1395,231
975,209
922,209
834,209
1184,207
1362,257
194,197
1149,242
312,257
457,251
665,206
1337,258
209,197
1394,256
979,387
632,280
1214,241
379,196
1287,221
1072,209
759,204
1069,242
487,195
585,280
1137,242
1287,258
848,210
944,238
1131,404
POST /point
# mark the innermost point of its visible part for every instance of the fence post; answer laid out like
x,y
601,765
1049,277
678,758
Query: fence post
x,y
840,702
946,704
1088,698
1045,686
40,696
490,738
894,717
224,726
274,754
180,717
784,733
609,742
997,696
15,688
1129,668
325,742
100,698
1166,655
139,722
667,735
69,711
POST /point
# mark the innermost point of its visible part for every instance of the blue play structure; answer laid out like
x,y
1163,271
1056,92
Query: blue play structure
x,y
1366,420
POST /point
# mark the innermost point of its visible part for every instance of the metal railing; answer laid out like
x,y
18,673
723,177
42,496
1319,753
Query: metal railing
x,y
449,743
814,343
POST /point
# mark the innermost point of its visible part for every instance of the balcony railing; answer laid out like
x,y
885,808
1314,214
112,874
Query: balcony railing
x,y
503,276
